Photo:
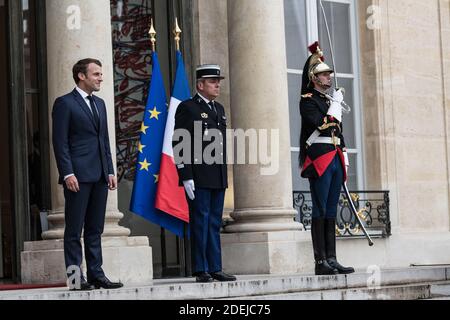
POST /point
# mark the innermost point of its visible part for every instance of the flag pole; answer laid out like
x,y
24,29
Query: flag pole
x,y
177,32
187,270
152,34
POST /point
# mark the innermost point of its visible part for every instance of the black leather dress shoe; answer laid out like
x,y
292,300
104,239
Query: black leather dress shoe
x,y
105,283
203,277
84,286
222,276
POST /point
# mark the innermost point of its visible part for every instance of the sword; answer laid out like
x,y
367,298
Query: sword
x,y
329,41
346,107
353,210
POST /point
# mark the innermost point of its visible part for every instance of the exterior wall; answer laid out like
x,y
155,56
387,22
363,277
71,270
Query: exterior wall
x,y
405,84
444,8
405,69
405,110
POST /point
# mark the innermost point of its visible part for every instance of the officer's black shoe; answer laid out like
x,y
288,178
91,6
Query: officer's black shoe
x,y
341,269
323,268
203,277
105,283
84,286
222,276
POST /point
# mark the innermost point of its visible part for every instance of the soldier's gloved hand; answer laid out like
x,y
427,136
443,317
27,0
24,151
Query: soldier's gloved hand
x,y
338,95
189,186
335,110
347,163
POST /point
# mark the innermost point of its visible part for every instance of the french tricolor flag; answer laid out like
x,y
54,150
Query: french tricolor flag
x,y
170,198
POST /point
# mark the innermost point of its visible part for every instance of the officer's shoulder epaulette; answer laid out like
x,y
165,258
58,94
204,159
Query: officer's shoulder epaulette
x,y
307,96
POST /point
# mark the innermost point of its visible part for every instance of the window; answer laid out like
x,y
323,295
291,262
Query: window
x,y
305,24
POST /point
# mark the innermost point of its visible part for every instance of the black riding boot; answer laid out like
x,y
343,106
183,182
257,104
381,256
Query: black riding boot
x,y
330,243
318,239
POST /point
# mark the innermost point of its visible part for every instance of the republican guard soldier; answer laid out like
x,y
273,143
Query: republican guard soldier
x,y
323,157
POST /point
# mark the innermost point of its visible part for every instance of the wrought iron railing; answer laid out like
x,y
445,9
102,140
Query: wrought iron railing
x,y
372,207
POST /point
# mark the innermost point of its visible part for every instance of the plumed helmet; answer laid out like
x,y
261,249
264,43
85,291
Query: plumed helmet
x,y
314,65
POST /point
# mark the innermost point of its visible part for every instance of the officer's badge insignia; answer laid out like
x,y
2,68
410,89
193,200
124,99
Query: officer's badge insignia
x,y
204,115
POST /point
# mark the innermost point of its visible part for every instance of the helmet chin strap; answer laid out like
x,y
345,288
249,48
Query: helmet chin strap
x,y
319,82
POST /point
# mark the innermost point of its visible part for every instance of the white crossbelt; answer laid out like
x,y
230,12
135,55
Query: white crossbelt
x,y
314,138
327,140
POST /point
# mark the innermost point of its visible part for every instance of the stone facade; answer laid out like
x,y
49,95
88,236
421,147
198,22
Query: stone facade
x,y
405,93
405,79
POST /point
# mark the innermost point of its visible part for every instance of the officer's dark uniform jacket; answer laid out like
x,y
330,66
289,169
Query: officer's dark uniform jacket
x,y
316,158
207,176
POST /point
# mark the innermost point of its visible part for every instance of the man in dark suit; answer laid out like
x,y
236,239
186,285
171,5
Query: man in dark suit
x,y
83,157
204,176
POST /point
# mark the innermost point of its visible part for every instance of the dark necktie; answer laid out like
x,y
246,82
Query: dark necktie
x,y
94,111
213,106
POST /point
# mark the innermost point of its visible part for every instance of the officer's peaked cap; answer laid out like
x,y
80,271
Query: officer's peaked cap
x,y
206,71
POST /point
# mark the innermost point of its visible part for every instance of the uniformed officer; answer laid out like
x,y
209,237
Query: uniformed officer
x,y
202,170
323,157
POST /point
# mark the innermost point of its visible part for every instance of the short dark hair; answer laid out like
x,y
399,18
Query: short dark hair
x,y
82,66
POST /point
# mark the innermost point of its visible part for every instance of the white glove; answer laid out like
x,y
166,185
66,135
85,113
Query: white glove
x,y
189,186
335,109
346,162
338,95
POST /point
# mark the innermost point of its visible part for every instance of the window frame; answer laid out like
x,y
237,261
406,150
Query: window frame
x,y
312,35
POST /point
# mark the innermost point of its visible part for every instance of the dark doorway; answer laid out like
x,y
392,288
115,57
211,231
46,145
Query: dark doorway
x,y
36,105
24,158
6,239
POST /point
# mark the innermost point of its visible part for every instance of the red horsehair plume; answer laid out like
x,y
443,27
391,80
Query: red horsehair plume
x,y
315,48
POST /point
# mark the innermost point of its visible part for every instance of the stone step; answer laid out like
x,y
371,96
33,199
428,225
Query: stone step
x,y
256,286
440,291
405,292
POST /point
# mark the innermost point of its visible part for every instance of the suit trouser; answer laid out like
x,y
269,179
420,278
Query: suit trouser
x,y
326,190
85,208
205,224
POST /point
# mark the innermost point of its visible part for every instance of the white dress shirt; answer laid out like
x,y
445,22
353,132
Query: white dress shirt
x,y
85,96
206,100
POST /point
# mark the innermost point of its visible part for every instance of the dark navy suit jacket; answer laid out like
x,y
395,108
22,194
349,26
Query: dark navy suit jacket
x,y
207,176
81,146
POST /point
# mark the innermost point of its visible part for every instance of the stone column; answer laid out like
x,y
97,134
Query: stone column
x,y
264,230
78,29
211,46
